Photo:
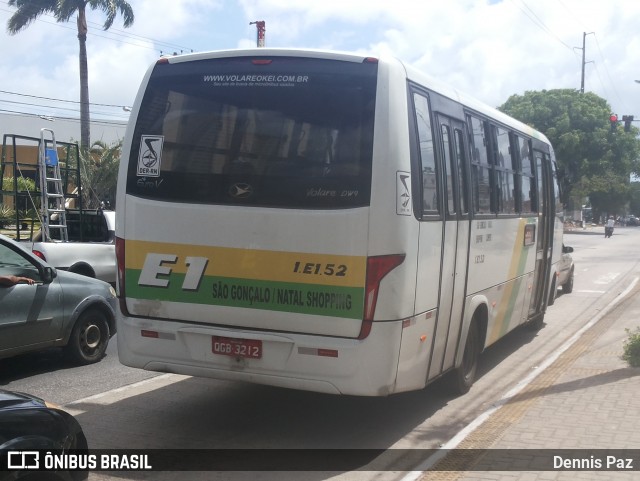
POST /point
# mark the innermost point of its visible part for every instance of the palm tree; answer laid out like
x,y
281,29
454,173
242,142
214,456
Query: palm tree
x,y
29,10
99,174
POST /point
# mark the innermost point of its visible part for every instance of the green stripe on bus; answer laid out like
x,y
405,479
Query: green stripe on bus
x,y
334,301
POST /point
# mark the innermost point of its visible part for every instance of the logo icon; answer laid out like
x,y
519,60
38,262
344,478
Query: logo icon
x,y
23,460
240,190
403,188
150,155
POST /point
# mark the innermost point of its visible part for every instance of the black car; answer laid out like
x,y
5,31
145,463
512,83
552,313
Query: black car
x,y
28,423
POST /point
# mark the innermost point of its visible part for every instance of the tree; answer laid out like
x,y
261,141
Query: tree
x,y
99,173
594,161
634,203
29,10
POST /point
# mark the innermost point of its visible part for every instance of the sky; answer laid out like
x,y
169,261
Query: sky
x,y
491,49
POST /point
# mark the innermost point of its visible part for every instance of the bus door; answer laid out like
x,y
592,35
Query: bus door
x,y
544,234
455,243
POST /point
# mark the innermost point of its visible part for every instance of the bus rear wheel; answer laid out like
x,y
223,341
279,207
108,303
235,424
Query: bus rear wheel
x,y
463,377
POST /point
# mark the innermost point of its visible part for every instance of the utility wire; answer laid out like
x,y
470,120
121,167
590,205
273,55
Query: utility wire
x,y
575,17
125,33
68,119
581,24
539,23
115,33
58,100
607,72
116,114
123,115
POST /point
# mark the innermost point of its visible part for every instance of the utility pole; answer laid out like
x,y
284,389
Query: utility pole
x,y
584,51
260,26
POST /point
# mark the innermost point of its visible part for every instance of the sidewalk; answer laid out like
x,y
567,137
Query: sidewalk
x,y
588,399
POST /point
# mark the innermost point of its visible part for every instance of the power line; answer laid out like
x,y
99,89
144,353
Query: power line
x,y
59,100
68,119
123,114
41,106
114,32
576,18
539,23
125,33
607,70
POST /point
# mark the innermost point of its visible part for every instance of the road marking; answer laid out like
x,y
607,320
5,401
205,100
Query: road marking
x,y
454,442
607,278
74,407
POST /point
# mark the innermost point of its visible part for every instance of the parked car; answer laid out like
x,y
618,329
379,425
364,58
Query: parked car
x,y
632,221
91,248
58,309
29,424
565,270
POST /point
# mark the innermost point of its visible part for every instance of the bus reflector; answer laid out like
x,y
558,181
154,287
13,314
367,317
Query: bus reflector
x,y
377,268
312,351
152,334
262,61
327,352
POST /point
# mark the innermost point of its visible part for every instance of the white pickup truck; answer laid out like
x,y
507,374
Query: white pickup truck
x,y
90,250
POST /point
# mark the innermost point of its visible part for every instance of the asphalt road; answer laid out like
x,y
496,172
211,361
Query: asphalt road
x,y
47,374
172,411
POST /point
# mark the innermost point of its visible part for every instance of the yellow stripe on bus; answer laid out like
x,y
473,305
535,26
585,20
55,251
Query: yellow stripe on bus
x,y
306,268
508,298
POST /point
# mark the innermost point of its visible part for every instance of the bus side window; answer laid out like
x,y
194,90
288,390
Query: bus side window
x,y
427,156
504,171
480,167
461,169
526,175
448,167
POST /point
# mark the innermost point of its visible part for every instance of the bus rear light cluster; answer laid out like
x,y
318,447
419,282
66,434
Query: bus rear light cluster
x,y
377,268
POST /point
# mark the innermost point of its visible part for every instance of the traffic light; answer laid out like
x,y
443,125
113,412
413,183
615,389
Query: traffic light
x,y
614,122
627,119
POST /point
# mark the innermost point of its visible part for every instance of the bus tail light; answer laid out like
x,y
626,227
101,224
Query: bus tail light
x,y
377,268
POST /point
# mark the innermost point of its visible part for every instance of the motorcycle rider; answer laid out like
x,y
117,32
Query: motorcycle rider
x,y
608,229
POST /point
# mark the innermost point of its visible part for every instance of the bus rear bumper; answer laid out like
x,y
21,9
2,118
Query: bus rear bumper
x,y
324,364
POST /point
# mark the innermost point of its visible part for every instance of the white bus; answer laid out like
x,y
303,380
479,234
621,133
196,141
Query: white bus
x,y
328,222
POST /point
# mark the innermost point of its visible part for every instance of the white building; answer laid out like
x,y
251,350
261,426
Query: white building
x,y
65,129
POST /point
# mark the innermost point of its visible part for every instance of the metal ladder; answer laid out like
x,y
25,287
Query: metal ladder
x,y
52,204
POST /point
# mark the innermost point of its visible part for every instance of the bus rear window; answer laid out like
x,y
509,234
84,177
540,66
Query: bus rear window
x,y
290,132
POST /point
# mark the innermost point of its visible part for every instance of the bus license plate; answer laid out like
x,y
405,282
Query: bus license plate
x,y
229,346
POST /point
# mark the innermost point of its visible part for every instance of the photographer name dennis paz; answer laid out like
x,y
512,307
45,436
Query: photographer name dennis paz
x,y
593,463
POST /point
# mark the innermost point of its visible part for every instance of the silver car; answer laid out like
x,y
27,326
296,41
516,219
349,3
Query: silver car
x,y
58,309
565,270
